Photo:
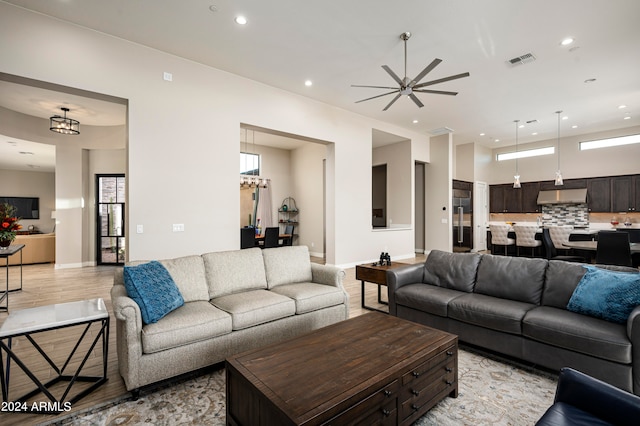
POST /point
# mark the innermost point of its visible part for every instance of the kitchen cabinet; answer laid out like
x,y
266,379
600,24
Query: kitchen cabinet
x,y
496,198
636,193
599,194
622,193
504,199
530,197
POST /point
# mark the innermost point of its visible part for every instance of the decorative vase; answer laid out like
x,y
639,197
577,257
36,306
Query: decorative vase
x,y
4,244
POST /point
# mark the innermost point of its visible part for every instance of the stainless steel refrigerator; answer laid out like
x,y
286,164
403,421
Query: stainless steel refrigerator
x,y
462,220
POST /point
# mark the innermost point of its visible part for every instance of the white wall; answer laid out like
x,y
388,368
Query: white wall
x,y
170,165
439,174
574,163
464,165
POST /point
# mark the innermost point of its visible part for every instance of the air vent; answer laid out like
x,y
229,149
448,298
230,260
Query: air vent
x,y
521,60
440,131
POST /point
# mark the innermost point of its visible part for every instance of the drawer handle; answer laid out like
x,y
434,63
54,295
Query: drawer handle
x,y
414,407
415,392
449,353
448,369
448,382
387,393
386,412
416,374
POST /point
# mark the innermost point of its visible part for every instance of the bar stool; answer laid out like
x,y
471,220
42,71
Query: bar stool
x,y
526,237
500,236
559,236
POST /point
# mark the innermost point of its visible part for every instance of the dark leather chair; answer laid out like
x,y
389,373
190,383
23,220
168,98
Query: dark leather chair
x,y
551,252
247,238
288,229
613,248
584,400
271,237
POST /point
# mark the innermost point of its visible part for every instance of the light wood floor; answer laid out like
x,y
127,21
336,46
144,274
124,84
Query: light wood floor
x,y
44,285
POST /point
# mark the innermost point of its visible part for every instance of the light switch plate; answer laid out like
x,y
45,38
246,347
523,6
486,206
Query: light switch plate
x,y
178,227
139,229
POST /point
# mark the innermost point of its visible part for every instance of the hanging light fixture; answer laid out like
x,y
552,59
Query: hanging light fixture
x,y
64,125
558,180
516,177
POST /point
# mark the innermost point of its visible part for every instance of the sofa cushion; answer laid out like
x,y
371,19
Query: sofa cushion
x,y
606,294
455,271
229,272
513,278
580,333
311,297
150,285
490,312
287,265
560,282
193,322
426,297
255,307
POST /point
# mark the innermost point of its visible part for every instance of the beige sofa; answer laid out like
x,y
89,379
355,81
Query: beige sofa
x,y
38,248
234,301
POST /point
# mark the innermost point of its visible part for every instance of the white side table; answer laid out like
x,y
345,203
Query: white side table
x,y
29,322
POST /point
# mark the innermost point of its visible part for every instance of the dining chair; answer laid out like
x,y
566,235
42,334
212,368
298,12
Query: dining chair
x,y
552,254
271,237
526,237
500,237
288,229
613,248
559,236
247,238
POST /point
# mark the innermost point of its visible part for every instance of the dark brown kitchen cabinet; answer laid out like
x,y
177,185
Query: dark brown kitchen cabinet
x,y
530,197
622,196
505,199
496,198
636,193
599,194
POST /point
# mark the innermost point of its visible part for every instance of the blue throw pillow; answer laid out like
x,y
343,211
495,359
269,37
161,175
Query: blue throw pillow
x,y
153,289
606,294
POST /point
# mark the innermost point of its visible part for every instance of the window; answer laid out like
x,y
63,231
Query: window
x,y
526,153
606,143
249,164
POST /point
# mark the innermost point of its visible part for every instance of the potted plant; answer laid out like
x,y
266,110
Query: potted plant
x,y
9,224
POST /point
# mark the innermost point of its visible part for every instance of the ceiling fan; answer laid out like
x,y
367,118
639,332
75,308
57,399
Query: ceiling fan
x,y
410,87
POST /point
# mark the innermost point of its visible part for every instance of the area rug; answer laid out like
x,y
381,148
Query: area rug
x,y
492,391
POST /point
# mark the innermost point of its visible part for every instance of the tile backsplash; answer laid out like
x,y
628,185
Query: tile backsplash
x,y
576,215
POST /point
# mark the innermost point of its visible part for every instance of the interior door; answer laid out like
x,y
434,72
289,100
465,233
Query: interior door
x,y
110,226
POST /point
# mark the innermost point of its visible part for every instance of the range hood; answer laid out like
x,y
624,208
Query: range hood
x,y
563,196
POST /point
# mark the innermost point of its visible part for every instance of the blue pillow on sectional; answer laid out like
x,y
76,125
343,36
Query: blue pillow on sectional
x,y
606,294
150,285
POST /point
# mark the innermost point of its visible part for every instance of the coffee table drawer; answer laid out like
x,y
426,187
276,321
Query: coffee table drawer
x,y
449,354
379,408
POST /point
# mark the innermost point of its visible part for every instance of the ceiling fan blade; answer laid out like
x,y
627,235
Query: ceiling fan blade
x,y
435,92
441,80
392,74
415,99
425,71
392,101
374,87
379,96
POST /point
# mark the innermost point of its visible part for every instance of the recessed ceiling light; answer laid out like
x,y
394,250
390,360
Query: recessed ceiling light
x,y
590,80
521,126
308,83
415,121
240,20
627,117
496,140
565,117
567,41
575,126
481,134
213,8
534,133
622,106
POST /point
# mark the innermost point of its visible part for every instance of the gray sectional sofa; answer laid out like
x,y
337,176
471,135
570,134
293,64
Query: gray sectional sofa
x,y
233,301
518,307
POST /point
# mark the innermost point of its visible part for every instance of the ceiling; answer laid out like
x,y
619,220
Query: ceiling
x,y
336,44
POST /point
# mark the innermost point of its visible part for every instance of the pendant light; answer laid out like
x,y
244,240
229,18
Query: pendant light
x,y
558,180
64,125
516,177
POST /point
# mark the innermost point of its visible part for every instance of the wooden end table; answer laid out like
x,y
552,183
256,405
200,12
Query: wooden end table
x,y
371,369
376,274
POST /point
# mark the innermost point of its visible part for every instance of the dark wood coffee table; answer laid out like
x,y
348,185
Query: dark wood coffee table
x,y
372,369
376,274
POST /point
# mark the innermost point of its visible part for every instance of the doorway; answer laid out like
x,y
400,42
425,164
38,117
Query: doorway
x,y
110,227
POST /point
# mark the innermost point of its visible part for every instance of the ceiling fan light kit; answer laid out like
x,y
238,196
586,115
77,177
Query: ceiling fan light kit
x,y
409,87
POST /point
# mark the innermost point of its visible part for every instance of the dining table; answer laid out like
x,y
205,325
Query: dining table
x,y
283,237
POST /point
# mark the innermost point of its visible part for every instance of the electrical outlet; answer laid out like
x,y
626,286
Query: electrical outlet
x,y
139,229
178,227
